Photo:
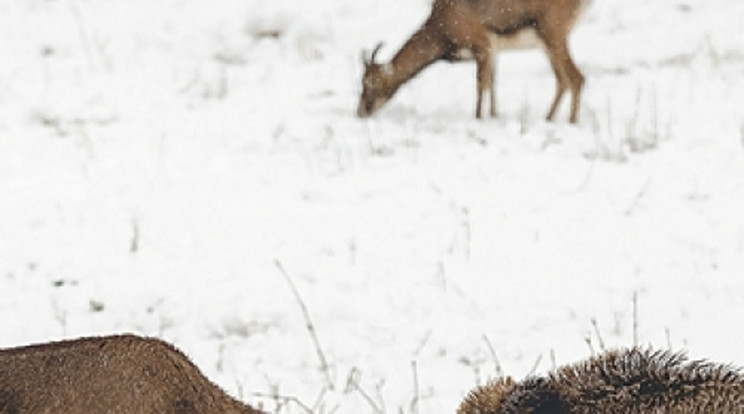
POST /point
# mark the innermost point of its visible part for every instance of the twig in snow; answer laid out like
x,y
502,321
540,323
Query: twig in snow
x,y
380,397
319,402
60,316
492,351
284,399
668,335
442,275
352,251
600,341
416,392
524,114
533,370
325,368
635,318
352,384
467,229
552,359
221,357
637,198
134,242
588,176
631,125
588,341
83,32
422,343
609,121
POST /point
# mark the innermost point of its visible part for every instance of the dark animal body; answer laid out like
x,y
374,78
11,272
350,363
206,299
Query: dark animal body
x,y
630,381
477,29
113,374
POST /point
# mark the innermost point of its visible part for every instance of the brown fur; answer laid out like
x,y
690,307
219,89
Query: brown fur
x,y
630,381
459,28
113,374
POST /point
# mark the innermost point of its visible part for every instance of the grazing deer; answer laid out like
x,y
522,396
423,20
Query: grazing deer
x,y
631,381
113,374
477,29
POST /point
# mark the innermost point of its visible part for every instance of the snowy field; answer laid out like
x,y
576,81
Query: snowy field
x,y
166,166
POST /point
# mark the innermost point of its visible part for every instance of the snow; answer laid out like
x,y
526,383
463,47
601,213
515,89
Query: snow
x,y
162,161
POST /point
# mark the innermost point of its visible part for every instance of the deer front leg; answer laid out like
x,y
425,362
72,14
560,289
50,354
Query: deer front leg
x,y
485,74
560,84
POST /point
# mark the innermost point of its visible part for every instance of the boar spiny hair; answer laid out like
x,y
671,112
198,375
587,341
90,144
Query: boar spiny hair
x,y
635,380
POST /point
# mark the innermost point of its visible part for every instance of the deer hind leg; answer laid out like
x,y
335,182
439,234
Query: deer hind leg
x,y
492,90
576,78
567,75
561,83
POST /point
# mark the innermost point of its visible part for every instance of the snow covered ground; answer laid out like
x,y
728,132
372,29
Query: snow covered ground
x,y
164,163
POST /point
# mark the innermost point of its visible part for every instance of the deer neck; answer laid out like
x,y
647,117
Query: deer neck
x,y
423,48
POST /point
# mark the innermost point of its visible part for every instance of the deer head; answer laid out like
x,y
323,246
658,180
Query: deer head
x,y
377,87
